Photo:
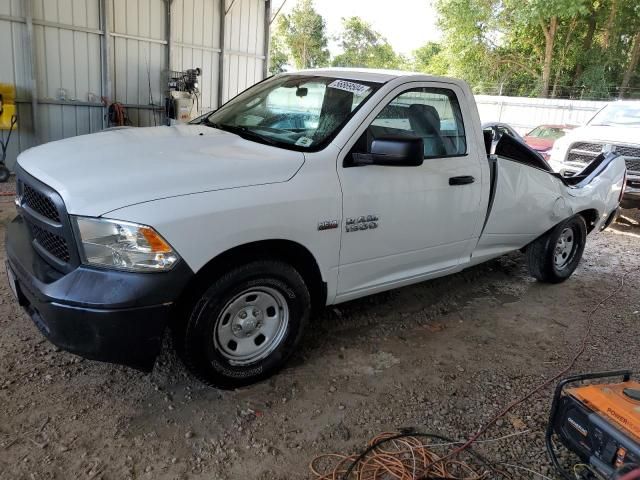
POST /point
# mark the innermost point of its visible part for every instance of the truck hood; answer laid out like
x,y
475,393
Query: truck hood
x,y
604,134
539,144
101,172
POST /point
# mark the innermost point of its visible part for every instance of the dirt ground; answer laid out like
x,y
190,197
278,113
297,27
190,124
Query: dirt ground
x,y
442,356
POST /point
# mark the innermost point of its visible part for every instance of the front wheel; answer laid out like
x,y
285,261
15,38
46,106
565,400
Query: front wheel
x,y
245,325
553,257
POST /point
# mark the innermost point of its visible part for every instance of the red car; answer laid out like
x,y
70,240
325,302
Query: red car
x,y
542,138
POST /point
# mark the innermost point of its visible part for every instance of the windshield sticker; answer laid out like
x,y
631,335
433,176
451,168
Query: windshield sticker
x,y
352,87
304,141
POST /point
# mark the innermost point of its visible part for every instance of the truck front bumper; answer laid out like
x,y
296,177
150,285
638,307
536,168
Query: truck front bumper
x,y
101,314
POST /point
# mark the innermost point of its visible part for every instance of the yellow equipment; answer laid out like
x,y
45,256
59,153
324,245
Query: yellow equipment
x,y
8,121
8,111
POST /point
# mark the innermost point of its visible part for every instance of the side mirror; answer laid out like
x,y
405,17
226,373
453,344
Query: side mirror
x,y
393,151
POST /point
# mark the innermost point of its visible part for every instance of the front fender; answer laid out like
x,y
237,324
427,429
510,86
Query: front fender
x,y
202,226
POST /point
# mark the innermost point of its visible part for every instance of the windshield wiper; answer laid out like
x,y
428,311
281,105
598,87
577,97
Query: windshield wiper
x,y
241,131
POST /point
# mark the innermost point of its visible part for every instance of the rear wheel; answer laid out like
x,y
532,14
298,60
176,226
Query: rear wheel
x,y
553,257
246,324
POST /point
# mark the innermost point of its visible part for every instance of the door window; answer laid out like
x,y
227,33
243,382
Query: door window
x,y
430,113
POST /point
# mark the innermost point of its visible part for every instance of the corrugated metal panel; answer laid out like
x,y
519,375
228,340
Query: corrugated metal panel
x,y
67,66
139,56
244,45
196,43
68,58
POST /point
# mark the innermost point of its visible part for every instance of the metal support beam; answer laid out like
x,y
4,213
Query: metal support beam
x,y
9,18
230,7
64,26
267,38
31,56
243,54
46,23
138,38
77,103
105,56
277,12
222,14
197,47
169,25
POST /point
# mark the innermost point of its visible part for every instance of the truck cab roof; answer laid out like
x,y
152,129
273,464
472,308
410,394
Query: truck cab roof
x,y
375,75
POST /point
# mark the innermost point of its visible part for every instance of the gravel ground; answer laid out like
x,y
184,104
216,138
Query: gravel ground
x,y
8,187
442,356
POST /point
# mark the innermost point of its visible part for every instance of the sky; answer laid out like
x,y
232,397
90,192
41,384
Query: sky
x,y
406,24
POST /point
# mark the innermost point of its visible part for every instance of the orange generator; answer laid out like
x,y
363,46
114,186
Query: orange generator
x,y
598,422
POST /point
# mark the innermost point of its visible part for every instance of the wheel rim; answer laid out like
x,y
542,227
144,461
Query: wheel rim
x,y
251,325
564,249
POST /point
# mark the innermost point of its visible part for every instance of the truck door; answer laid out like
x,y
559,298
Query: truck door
x,y
406,224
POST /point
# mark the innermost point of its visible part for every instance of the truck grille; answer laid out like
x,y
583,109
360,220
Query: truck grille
x,y
628,151
39,203
633,165
588,147
585,152
52,243
45,214
580,157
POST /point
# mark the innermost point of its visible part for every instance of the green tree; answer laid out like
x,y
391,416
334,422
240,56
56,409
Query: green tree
x,y
278,56
540,47
425,57
362,46
467,51
303,33
602,61
547,14
631,43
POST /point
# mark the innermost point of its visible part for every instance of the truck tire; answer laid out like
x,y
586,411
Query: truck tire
x,y
553,257
246,324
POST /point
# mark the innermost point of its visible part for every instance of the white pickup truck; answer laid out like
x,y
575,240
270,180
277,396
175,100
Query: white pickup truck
x,y
615,128
308,189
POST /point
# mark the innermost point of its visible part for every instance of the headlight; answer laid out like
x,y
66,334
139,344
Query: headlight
x,y
123,245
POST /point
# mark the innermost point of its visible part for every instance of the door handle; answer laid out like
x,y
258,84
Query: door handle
x,y
461,180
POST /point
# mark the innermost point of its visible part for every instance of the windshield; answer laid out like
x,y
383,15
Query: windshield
x,y
618,114
292,111
552,133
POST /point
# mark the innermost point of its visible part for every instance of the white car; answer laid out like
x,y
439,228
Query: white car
x,y
230,230
615,128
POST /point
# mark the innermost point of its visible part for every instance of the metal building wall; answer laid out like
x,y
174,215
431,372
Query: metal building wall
x,y
82,50
244,56
196,43
138,42
66,43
